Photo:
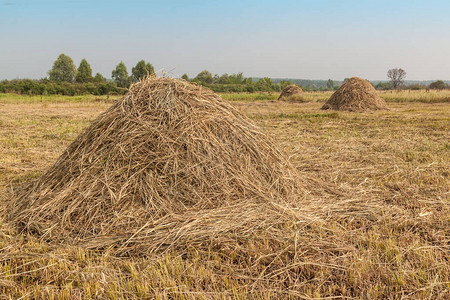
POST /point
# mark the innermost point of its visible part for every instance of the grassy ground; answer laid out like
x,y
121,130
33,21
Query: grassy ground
x,y
387,237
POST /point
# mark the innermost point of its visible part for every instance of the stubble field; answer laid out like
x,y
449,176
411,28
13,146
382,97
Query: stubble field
x,y
382,187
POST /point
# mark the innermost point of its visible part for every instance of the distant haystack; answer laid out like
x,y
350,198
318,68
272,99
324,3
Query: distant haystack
x,y
291,93
170,164
357,95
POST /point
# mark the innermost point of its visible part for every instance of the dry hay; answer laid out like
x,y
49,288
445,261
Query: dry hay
x,y
291,92
169,164
356,95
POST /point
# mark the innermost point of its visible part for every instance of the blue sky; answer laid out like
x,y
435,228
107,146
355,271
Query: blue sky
x,y
315,39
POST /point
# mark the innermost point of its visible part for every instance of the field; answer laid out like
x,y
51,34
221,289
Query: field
x,y
382,186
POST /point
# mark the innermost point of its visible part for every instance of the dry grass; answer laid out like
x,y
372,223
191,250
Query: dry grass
x,y
379,228
170,165
432,96
356,95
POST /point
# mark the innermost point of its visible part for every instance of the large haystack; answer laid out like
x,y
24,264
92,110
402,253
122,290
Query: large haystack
x,y
357,95
291,92
170,164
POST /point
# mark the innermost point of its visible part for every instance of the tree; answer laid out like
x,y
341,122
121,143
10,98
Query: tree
x,y
205,77
248,80
265,84
185,77
120,75
63,69
284,83
396,76
438,85
142,69
223,79
330,84
99,78
236,78
84,73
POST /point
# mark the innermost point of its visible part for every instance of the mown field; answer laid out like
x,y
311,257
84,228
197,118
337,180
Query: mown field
x,y
382,185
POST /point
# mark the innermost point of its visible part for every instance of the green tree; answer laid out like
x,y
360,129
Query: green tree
x,y
265,84
185,77
142,69
205,77
330,84
248,80
438,85
84,73
223,79
284,83
63,69
236,78
99,78
120,75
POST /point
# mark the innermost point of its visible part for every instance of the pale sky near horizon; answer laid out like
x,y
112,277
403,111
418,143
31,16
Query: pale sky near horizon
x,y
301,39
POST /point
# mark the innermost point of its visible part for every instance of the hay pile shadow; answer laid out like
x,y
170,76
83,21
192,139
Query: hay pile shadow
x,y
292,93
171,164
356,95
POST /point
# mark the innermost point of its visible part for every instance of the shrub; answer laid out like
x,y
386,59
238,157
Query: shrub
x,y
46,87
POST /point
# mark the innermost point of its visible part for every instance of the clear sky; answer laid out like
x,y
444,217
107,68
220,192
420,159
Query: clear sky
x,y
308,39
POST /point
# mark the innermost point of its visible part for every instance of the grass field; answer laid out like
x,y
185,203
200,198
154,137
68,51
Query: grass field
x,y
384,199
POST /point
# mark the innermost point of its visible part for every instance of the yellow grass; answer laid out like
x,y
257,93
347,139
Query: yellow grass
x,y
387,172
432,96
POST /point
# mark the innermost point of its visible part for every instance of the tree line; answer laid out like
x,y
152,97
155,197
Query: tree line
x,y
64,70
66,78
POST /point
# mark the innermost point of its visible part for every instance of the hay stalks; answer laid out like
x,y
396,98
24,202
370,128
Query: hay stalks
x,y
170,164
355,95
291,93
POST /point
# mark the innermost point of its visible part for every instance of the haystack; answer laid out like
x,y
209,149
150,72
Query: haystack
x,y
169,164
357,95
291,92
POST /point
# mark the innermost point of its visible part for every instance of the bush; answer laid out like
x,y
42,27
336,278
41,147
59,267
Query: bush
x,y
438,85
416,87
46,87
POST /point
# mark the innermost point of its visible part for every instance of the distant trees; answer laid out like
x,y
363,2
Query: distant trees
x,y
65,78
236,82
383,86
205,77
142,69
48,87
120,75
266,84
284,83
63,69
438,85
330,84
236,78
396,77
416,87
98,78
84,72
